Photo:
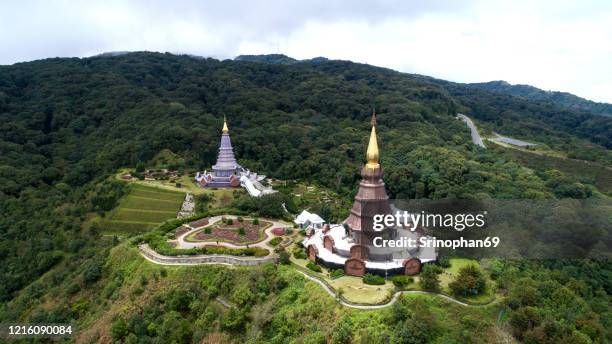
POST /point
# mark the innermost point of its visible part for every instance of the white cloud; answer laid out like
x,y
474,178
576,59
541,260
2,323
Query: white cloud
x,y
558,45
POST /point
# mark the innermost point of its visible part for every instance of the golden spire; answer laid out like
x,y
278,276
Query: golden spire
x,y
225,129
372,152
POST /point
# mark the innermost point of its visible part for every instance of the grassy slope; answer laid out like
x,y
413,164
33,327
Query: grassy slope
x,y
303,303
598,175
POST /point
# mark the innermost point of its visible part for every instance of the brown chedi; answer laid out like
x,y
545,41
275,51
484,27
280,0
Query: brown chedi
x,y
371,198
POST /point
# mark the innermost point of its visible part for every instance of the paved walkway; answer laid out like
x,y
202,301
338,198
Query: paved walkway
x,y
393,300
476,139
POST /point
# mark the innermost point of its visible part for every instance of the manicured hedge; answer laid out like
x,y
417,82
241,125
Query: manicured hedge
x,y
276,241
162,247
157,238
336,273
314,267
402,281
373,279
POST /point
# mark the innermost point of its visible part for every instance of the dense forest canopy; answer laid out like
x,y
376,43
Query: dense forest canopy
x,y
66,124
564,99
546,121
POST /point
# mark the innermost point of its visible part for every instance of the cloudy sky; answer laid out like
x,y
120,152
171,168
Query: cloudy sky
x,y
551,44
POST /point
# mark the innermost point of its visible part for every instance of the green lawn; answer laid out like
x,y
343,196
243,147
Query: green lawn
x,y
142,209
449,274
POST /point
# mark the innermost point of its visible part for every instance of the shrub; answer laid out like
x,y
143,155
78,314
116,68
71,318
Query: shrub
x,y
240,219
207,230
256,221
241,231
229,221
336,273
288,231
373,279
299,252
283,256
275,241
429,278
444,262
314,267
93,272
401,281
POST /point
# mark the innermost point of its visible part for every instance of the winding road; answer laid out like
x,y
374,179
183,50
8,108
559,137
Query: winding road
x,y
476,139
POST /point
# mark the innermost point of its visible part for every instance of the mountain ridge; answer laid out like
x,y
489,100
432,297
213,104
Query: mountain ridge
x,y
524,91
529,92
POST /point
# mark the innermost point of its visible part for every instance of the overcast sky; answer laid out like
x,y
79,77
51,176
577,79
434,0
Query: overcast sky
x,y
553,45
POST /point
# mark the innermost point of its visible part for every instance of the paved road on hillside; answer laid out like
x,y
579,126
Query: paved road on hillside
x,y
476,139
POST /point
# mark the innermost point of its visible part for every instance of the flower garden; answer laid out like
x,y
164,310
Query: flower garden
x,y
237,231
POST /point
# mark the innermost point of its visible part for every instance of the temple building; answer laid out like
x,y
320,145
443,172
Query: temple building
x,y
227,173
350,245
308,220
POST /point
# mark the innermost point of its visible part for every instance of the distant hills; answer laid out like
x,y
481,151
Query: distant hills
x,y
528,92
276,59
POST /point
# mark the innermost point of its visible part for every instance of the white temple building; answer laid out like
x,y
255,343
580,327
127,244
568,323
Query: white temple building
x,y
307,219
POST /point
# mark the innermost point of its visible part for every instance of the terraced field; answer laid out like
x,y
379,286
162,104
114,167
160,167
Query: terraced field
x,y
143,208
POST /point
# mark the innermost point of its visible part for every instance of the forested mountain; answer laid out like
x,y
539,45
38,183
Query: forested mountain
x,y
276,58
545,121
563,99
66,124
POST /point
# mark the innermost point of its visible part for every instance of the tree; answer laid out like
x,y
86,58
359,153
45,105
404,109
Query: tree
x,y
119,328
140,167
179,300
523,319
428,278
175,329
469,282
343,332
284,256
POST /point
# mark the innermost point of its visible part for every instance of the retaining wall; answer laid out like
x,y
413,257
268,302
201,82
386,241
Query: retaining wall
x,y
204,259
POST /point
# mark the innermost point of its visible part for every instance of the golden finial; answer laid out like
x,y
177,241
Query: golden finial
x,y
225,129
372,152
